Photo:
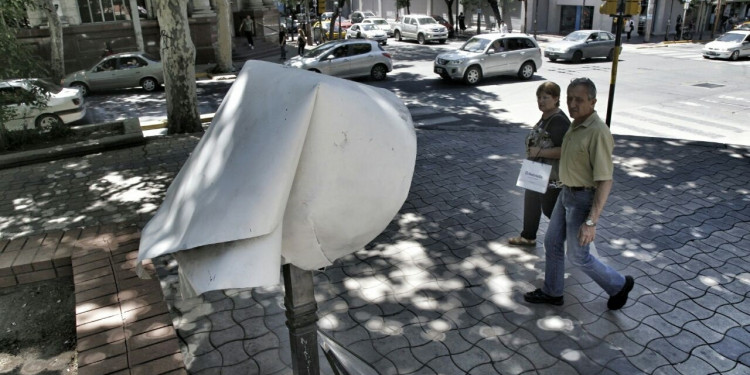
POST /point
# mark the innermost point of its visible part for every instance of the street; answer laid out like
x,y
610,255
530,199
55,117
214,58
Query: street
x,y
665,91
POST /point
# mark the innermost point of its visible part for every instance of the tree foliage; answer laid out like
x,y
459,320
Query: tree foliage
x,y
19,60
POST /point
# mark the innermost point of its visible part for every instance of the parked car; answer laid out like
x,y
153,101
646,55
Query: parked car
x,y
325,26
39,104
367,31
325,16
743,26
420,27
346,59
445,23
582,44
380,23
122,70
732,45
358,16
488,55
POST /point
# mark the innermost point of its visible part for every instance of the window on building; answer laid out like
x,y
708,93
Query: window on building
x,y
103,10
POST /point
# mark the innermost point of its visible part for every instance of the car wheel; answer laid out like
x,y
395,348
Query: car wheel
x,y
735,56
315,70
378,72
553,59
526,71
149,84
611,55
420,39
473,75
397,35
46,122
81,87
577,57
442,41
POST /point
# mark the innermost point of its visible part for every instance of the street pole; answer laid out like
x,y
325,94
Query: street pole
x,y
684,14
479,21
666,32
583,16
535,4
618,46
301,318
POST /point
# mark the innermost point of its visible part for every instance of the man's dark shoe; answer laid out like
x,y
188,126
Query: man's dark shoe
x,y
618,300
538,296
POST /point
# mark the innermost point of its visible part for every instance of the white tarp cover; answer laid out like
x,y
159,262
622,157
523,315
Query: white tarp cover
x,y
296,165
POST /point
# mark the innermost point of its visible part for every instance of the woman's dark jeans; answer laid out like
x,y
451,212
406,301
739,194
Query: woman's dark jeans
x,y
533,205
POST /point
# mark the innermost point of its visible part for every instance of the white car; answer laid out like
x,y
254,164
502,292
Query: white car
x,y
367,31
59,105
488,55
380,23
732,45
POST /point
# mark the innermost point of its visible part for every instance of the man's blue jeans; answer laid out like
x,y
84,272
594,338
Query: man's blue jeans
x,y
571,210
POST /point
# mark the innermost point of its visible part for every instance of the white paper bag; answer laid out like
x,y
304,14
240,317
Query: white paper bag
x,y
534,176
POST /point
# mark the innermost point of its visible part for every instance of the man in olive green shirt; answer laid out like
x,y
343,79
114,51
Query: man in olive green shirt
x,y
586,171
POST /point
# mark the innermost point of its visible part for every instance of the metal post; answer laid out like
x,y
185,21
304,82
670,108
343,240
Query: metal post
x,y
301,318
618,46
684,14
479,21
666,32
535,4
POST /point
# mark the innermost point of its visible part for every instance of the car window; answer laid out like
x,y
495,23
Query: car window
x,y
427,21
359,48
109,64
354,27
731,37
7,96
747,38
525,43
339,52
593,36
369,14
604,36
131,62
380,22
368,27
576,36
475,45
497,46
413,21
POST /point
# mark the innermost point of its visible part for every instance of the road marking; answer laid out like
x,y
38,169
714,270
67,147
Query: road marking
x,y
437,121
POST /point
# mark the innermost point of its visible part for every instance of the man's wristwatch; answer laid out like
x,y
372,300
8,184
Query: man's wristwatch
x,y
590,223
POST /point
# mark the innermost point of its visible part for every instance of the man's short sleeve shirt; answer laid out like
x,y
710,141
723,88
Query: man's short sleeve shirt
x,y
587,153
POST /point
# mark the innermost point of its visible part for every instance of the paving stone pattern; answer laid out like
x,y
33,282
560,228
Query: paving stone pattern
x,y
440,291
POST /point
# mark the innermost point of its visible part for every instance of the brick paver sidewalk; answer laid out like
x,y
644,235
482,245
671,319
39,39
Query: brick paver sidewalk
x,y
440,290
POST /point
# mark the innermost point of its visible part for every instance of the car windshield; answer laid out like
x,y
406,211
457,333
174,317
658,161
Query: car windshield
x,y
367,26
475,45
577,36
368,14
731,37
426,21
379,22
46,86
319,50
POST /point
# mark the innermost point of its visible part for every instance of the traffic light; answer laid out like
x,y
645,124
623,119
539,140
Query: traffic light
x,y
630,7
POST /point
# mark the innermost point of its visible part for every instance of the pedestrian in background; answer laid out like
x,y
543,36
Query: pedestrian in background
x,y
586,171
543,145
301,42
282,42
503,27
461,22
630,28
247,28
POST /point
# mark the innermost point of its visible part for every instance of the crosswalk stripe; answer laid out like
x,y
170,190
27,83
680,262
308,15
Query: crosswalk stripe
x,y
692,119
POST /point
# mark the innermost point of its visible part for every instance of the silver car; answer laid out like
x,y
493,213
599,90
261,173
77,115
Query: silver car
x,y
345,59
367,31
582,44
122,70
380,24
488,55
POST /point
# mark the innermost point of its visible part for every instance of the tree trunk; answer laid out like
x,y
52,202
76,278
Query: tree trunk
x,y
509,21
178,56
495,11
449,3
224,53
57,61
138,32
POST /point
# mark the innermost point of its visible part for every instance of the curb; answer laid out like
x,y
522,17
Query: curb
x,y
162,123
131,135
